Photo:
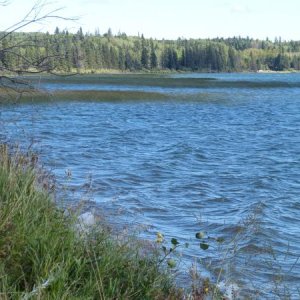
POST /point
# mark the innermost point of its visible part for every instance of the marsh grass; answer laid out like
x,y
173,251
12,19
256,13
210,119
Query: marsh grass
x,y
88,95
44,256
160,80
164,82
111,96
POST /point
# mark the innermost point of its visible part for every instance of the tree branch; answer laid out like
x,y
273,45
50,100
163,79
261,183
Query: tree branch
x,y
36,15
13,48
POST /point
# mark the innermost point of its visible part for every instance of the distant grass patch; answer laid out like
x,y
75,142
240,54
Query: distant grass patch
x,y
108,95
11,96
164,82
153,80
43,256
160,80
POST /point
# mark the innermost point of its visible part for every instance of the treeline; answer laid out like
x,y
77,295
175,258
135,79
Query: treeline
x,y
64,51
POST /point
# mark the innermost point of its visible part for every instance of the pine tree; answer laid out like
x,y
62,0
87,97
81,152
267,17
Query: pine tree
x,y
144,54
80,34
153,56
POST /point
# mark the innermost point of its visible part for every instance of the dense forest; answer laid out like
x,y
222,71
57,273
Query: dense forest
x,y
84,52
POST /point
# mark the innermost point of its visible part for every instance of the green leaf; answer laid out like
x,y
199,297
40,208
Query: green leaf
x,y
204,246
174,242
200,235
171,263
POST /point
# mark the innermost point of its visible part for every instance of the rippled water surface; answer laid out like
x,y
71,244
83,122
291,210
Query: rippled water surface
x,y
221,160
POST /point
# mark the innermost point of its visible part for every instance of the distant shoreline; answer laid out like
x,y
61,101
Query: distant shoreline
x,y
146,72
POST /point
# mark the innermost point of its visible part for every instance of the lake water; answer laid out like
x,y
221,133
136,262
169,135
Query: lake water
x,y
221,158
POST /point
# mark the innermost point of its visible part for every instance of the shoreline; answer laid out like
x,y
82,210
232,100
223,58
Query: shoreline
x,y
54,253
145,72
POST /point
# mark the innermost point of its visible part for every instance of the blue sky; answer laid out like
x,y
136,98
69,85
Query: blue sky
x,y
171,18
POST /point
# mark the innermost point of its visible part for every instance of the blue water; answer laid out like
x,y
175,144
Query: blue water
x,y
229,166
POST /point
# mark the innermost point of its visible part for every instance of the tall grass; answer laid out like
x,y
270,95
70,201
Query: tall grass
x,y
44,256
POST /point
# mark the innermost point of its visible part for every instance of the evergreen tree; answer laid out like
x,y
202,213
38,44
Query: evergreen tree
x,y
65,51
109,33
153,56
281,62
144,54
80,34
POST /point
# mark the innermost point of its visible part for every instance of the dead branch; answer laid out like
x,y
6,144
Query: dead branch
x,y
10,76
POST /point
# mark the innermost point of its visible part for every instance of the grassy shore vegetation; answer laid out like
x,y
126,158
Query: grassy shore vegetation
x,y
157,81
122,87
82,96
43,255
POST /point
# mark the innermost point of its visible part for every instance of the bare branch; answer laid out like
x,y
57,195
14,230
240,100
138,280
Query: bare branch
x,y
15,49
36,15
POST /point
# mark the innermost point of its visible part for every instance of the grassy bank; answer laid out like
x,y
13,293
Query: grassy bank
x,y
44,256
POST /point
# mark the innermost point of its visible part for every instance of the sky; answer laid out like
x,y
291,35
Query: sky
x,y
168,19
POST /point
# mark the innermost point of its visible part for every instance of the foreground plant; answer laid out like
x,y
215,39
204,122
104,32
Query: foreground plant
x,y
42,256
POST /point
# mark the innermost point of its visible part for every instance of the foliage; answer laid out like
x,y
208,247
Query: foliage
x,y
44,256
201,288
68,52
